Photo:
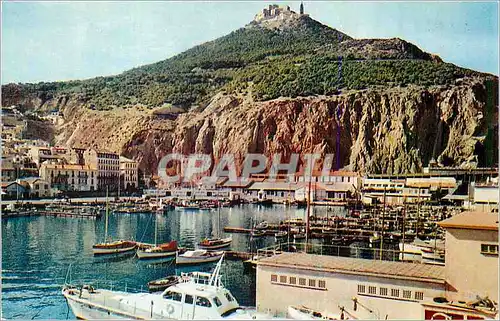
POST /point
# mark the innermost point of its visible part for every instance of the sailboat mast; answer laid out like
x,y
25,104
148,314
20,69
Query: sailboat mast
x,y
218,219
156,228
106,224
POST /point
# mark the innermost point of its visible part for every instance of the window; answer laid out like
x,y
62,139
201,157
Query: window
x,y
383,291
312,282
274,278
302,281
282,279
489,249
372,290
406,294
217,302
203,302
322,284
171,295
361,288
419,295
229,297
395,293
293,280
188,299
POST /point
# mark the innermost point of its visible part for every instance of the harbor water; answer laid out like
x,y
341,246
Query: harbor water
x,y
38,251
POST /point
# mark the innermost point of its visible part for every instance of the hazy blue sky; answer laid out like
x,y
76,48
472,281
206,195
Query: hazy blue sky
x,y
47,41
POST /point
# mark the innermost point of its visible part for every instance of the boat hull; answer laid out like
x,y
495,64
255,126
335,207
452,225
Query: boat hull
x,y
181,260
144,255
214,247
111,250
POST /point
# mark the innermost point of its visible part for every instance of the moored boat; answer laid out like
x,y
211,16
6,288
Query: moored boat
x,y
165,250
163,283
114,247
216,243
280,236
257,233
198,257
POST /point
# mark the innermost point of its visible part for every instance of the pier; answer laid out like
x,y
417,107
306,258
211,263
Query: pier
x,y
50,213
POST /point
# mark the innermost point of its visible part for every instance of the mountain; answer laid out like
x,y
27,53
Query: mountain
x,y
278,85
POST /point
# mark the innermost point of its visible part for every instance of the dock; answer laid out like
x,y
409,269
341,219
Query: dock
x,y
50,213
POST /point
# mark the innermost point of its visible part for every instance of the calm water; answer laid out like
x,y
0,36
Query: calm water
x,y
37,251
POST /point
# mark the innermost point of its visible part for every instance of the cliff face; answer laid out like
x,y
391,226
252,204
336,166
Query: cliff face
x,y
394,130
380,131
388,131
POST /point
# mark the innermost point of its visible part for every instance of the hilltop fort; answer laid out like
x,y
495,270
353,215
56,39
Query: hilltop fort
x,y
274,15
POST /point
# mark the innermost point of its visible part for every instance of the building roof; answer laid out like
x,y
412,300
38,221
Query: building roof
x,y
347,265
281,186
472,221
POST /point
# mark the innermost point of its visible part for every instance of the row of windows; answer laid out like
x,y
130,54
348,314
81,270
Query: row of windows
x,y
108,168
292,280
395,293
489,249
72,173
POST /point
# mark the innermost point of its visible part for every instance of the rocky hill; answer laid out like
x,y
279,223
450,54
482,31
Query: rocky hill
x,y
283,85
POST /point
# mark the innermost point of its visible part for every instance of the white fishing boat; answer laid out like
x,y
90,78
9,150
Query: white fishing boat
x,y
198,257
112,247
193,298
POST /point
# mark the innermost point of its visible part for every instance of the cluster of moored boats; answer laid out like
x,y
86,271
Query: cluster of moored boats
x,y
204,253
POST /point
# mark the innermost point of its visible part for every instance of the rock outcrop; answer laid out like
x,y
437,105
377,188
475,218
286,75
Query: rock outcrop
x,y
394,130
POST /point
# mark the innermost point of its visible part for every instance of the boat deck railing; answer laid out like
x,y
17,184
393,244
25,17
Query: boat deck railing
x,y
109,285
375,253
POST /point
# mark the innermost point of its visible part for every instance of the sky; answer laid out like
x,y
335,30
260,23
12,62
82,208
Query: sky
x,y
55,41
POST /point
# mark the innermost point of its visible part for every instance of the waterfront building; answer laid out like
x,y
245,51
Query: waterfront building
x,y
277,191
485,195
129,174
323,283
14,190
108,168
409,189
38,187
70,177
472,253
465,288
